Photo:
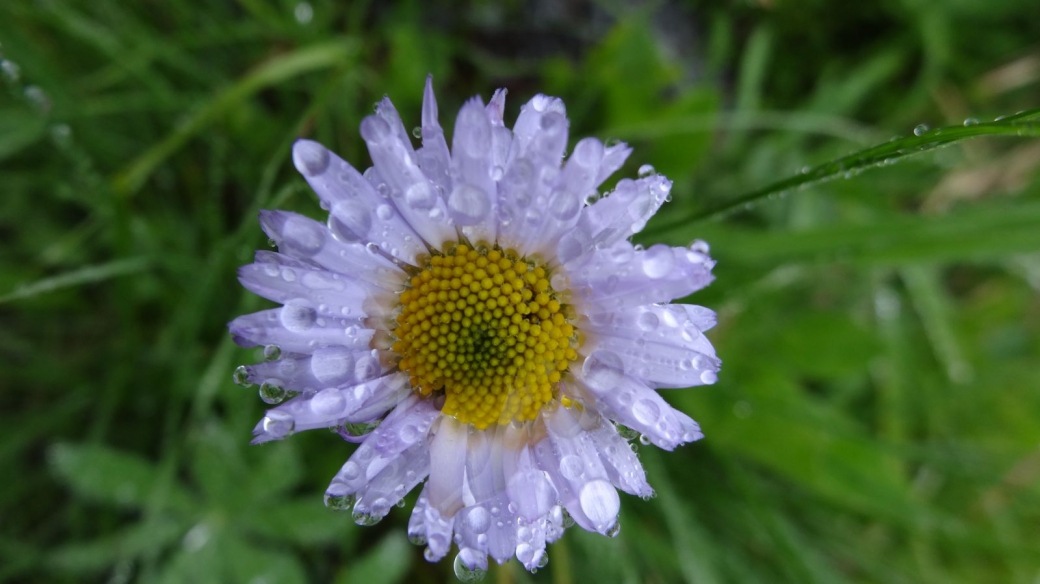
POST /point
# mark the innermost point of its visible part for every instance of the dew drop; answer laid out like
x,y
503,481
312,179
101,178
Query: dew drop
x,y
465,573
272,392
970,121
384,212
468,204
298,316
648,321
241,376
644,440
709,377
571,467
646,170
420,196
646,411
339,502
603,370
272,352
920,130
417,132
658,261
310,158
332,365
328,402
564,205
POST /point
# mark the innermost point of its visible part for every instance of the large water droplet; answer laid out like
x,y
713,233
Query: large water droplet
x,y
350,221
272,392
478,520
298,316
600,502
709,377
272,352
564,205
468,204
328,402
278,424
367,367
241,376
420,196
658,261
310,158
463,571
384,212
303,235
571,467
920,130
603,370
648,321
339,502
646,170
332,365
646,411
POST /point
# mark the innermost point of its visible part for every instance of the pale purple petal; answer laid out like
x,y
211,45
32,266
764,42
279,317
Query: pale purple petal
x,y
629,402
622,464
403,428
582,469
661,344
391,484
298,328
333,406
613,218
613,158
447,463
332,293
306,239
472,200
357,212
621,276
434,159
333,366
414,196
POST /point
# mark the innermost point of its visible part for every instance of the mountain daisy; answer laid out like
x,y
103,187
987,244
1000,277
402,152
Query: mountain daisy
x,y
476,317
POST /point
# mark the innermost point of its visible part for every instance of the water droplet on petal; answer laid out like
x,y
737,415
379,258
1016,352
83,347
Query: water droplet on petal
x,y
603,370
298,316
709,377
328,402
565,206
571,467
646,411
468,205
417,132
658,261
384,211
420,196
646,170
648,321
241,376
339,502
310,158
272,392
272,352
463,572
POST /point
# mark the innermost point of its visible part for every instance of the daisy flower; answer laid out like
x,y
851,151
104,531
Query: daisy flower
x,y
477,318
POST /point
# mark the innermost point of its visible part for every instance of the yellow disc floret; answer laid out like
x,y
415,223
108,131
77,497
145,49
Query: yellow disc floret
x,y
485,327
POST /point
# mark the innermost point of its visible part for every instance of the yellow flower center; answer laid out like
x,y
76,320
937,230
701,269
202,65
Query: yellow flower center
x,y
486,327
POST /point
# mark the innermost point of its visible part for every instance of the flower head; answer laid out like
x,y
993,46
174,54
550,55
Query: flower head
x,y
478,318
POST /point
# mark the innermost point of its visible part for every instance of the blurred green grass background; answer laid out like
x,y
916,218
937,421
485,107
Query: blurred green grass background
x,y
877,417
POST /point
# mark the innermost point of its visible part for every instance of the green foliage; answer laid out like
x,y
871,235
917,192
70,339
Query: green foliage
x,y
876,415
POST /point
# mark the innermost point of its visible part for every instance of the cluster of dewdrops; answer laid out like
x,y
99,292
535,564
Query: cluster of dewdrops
x,y
484,326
